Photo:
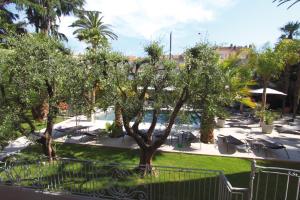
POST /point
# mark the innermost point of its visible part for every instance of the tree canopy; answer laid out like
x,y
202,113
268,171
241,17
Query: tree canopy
x,y
92,30
38,68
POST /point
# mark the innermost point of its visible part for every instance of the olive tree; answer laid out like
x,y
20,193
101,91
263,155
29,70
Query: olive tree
x,y
12,110
136,88
208,88
40,65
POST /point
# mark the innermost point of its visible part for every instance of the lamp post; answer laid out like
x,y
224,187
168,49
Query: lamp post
x,y
170,56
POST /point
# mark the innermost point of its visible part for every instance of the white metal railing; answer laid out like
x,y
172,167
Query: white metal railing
x,y
120,181
274,183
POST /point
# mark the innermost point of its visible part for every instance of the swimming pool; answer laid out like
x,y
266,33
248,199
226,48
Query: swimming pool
x,y
163,117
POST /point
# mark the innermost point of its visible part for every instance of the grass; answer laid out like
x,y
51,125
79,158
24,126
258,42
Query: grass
x,y
81,177
39,125
237,170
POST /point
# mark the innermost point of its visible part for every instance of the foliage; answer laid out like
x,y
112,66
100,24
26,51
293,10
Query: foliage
x,y
43,14
238,72
154,51
38,68
8,24
290,30
208,88
288,51
112,129
269,117
223,114
293,2
136,87
269,64
8,127
92,30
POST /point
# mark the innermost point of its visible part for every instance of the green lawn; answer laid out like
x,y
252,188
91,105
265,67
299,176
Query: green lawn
x,y
236,169
40,125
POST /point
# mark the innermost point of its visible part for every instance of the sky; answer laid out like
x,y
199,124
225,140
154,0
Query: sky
x,y
221,22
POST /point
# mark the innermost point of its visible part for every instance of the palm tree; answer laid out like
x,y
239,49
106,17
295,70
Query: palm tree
x,y
43,13
92,30
7,21
290,30
293,2
268,66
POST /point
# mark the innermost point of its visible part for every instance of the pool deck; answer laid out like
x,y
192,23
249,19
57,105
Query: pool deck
x,y
290,141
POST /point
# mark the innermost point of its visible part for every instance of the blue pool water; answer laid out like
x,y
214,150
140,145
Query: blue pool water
x,y
163,117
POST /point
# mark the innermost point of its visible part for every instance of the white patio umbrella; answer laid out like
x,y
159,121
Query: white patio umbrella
x,y
268,91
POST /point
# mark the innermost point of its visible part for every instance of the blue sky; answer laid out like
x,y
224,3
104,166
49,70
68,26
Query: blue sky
x,y
222,22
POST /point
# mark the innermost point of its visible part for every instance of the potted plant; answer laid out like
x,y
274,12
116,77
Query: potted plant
x,y
267,126
222,116
113,131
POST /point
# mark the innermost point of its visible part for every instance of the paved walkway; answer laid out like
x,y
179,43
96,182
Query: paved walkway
x,y
242,131
14,147
290,141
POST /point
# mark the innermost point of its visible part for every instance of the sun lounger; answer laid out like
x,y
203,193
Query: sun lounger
x,y
72,129
288,130
274,146
230,140
266,145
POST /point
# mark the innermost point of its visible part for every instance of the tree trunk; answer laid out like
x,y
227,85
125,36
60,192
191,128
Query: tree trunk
x,y
241,108
146,155
207,127
93,99
118,129
264,101
286,81
53,110
47,140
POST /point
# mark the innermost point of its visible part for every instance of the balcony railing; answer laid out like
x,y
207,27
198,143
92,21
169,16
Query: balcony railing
x,y
274,183
120,181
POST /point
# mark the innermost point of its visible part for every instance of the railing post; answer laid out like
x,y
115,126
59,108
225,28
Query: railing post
x,y
252,177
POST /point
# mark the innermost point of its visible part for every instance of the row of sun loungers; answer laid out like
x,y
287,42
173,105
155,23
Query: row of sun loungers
x,y
251,144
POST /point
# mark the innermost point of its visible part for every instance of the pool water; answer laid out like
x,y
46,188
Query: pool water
x,y
163,117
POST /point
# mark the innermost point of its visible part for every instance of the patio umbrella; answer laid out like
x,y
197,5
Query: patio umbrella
x,y
269,91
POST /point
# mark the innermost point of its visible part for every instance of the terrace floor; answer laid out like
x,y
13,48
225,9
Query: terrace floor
x,y
235,127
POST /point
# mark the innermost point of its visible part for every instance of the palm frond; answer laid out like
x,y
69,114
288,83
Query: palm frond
x,y
91,28
280,2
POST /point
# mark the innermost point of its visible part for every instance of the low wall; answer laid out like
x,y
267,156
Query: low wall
x,y
16,193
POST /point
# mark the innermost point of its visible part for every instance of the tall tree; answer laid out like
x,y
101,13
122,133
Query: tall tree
x,y
290,30
268,65
288,50
37,64
296,92
92,30
130,88
293,2
42,14
8,23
